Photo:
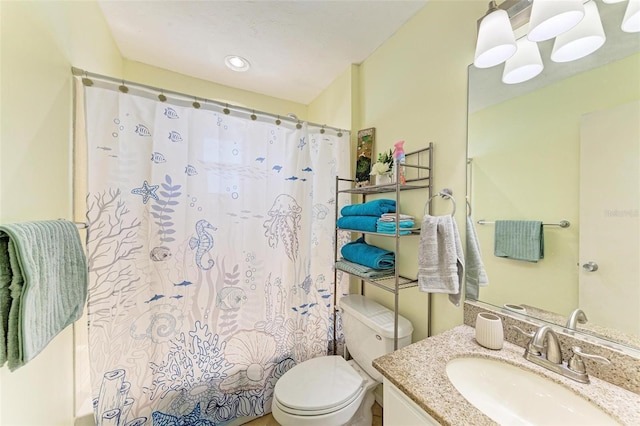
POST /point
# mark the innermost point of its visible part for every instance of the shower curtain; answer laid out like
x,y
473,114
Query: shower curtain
x,y
210,252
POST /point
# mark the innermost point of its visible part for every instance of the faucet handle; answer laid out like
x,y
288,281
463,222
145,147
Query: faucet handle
x,y
576,364
530,347
526,333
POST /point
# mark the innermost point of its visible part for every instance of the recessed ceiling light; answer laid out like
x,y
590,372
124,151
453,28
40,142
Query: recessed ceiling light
x,y
237,63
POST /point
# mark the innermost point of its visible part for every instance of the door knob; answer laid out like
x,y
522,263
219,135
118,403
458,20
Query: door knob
x,y
590,266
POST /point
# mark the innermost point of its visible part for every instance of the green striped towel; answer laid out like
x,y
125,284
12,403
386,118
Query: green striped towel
x,y
43,286
519,240
362,270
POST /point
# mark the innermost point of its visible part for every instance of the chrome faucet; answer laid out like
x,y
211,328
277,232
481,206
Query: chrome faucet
x,y
577,317
552,349
549,355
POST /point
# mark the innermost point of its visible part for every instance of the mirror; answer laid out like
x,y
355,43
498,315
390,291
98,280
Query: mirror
x,y
526,143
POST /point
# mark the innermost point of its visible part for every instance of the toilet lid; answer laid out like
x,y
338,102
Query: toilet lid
x,y
319,384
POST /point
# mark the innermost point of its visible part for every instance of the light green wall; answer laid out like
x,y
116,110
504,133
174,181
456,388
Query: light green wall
x,y
39,43
414,87
334,105
530,169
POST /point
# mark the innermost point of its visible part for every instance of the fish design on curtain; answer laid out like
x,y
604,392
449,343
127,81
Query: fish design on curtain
x,y
210,251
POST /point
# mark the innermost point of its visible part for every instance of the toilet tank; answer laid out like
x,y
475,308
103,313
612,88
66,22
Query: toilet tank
x,y
368,331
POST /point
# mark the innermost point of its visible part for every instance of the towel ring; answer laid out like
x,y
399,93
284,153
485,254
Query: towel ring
x,y
445,193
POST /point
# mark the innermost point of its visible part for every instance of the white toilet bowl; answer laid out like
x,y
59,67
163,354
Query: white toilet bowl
x,y
329,391
324,391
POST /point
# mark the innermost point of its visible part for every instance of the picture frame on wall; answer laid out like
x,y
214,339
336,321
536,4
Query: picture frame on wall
x,y
364,152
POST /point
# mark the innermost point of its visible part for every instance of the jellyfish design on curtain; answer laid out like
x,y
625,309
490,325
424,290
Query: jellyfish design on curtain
x,y
210,250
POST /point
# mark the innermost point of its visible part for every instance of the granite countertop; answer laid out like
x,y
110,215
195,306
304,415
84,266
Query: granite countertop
x,y
418,370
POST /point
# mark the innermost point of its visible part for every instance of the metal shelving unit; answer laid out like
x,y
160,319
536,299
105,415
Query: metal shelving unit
x,y
419,176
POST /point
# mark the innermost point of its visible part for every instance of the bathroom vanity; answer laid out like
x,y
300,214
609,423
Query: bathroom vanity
x,y
399,409
422,390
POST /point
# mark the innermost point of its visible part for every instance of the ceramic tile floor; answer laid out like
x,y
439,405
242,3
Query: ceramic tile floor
x,y
268,420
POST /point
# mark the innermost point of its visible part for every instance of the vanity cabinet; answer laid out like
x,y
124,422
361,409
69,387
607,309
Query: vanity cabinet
x,y
419,171
399,410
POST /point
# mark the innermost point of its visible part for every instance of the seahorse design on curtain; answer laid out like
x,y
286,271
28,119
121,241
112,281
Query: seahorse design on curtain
x,y
203,243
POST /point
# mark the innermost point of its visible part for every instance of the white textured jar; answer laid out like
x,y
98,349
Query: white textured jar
x,y
489,331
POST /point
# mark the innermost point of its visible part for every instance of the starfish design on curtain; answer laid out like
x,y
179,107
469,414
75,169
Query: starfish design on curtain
x,y
146,191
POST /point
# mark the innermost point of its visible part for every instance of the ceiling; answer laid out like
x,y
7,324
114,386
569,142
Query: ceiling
x,y
296,48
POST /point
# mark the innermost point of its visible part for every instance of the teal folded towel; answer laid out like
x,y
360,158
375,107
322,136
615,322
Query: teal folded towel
x,y
363,271
43,286
359,251
370,208
384,227
519,240
359,223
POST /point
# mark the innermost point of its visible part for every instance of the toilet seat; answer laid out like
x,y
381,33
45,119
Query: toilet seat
x,y
318,386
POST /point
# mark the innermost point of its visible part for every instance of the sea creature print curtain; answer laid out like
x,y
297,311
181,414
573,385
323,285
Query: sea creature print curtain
x,y
210,252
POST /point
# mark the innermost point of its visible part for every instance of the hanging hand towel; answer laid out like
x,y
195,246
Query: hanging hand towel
x,y
43,266
374,257
476,276
370,208
440,257
519,240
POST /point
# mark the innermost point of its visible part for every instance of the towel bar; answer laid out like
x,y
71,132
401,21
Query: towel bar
x,y
80,225
561,224
445,193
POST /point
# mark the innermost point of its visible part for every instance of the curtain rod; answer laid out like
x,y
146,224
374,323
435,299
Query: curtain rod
x,y
226,108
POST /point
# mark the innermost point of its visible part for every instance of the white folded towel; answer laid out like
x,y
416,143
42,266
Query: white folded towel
x,y
440,257
474,271
391,217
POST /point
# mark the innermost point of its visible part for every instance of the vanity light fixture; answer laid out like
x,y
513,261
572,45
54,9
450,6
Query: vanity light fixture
x,y
524,65
631,20
496,42
581,40
549,18
575,25
237,63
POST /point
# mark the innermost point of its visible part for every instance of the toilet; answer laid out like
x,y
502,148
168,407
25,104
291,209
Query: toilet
x,y
330,391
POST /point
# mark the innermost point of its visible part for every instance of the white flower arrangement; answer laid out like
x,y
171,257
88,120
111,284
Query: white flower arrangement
x,y
380,169
384,165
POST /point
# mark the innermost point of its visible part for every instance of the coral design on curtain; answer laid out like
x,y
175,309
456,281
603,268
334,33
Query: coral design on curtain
x,y
210,257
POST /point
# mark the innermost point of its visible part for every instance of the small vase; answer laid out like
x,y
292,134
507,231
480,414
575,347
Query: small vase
x,y
489,331
383,179
508,307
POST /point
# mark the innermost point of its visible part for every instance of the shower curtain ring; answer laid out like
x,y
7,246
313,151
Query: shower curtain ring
x,y
162,97
123,88
195,103
226,109
278,121
86,80
253,115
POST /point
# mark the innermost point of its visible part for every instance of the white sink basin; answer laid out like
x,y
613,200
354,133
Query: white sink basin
x,y
514,396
